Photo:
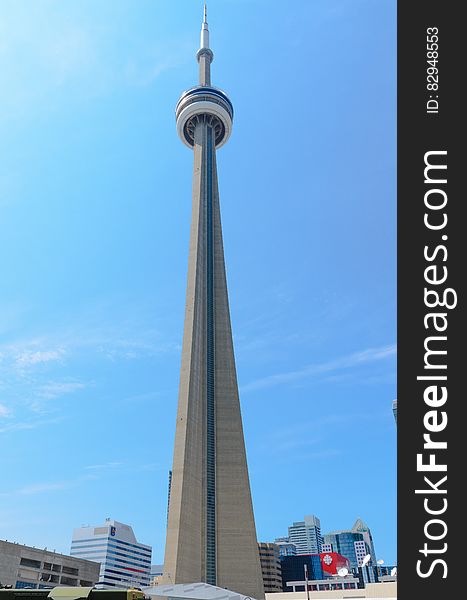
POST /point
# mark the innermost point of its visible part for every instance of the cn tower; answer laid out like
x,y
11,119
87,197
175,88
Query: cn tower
x,y
211,534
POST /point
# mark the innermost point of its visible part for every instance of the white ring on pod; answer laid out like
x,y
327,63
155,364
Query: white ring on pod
x,y
202,108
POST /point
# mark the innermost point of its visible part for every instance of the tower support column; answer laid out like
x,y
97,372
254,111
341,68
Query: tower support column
x,y
205,57
211,534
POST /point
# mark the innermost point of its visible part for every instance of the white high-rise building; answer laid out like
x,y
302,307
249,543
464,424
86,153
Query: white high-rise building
x,y
306,535
124,561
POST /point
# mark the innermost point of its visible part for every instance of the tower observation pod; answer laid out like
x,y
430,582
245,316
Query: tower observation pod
x,y
211,535
204,104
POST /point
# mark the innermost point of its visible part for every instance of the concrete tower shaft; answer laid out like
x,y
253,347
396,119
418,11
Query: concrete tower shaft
x,y
211,534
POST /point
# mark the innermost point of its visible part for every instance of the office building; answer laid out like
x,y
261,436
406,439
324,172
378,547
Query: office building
x,y
349,544
211,535
319,566
367,574
286,548
270,567
282,540
361,527
28,567
305,536
125,562
293,569
355,544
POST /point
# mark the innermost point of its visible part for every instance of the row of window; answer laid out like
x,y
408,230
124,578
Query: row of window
x,y
36,564
130,580
84,550
122,573
109,563
46,586
117,566
104,558
19,585
50,578
112,539
140,563
123,568
28,562
113,544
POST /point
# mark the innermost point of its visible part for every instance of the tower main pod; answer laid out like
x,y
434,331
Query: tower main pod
x,y
211,535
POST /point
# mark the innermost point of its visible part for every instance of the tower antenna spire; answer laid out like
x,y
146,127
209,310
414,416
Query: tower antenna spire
x,y
204,54
205,29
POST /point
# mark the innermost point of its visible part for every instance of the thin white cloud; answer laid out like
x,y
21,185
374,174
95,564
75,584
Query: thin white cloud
x,y
346,362
105,466
29,358
48,60
48,486
39,488
34,374
55,389
28,425
4,411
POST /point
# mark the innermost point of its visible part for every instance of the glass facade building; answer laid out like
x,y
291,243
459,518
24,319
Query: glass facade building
x,y
353,543
348,543
293,569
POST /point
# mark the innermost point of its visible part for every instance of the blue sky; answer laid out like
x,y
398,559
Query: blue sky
x,y
95,194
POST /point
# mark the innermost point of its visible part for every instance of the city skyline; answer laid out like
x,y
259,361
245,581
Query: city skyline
x,y
94,260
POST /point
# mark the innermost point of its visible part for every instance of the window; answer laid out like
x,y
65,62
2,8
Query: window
x,y
68,581
69,570
47,566
28,562
26,574
20,585
85,583
56,568
49,577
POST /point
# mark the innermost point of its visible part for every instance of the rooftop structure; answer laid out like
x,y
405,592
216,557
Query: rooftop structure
x,y
24,566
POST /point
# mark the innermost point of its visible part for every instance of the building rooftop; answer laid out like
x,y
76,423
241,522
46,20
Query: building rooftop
x,y
197,591
45,549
